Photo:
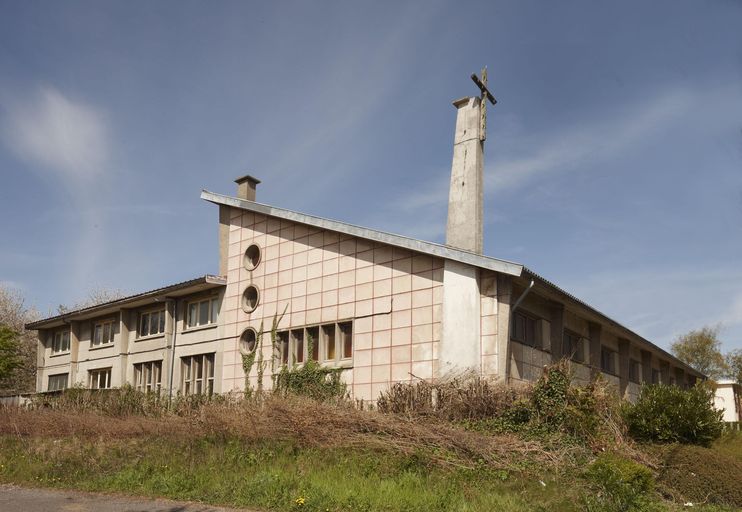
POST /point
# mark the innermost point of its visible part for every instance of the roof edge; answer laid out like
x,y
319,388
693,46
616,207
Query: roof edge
x,y
412,244
205,279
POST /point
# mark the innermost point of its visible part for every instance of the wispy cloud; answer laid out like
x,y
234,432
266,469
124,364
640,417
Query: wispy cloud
x,y
587,143
57,134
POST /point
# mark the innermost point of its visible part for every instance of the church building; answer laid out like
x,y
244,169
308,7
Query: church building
x,y
383,308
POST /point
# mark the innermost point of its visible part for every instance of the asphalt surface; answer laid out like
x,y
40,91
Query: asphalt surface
x,y
24,499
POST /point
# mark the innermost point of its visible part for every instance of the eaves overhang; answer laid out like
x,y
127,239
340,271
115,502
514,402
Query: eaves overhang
x,y
412,244
196,285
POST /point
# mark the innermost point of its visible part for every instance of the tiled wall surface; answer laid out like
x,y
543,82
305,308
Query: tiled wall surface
x,y
316,276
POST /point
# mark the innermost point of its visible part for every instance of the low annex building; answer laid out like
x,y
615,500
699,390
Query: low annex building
x,y
385,308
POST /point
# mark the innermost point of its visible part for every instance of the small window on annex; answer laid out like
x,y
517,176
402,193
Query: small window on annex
x,y
61,342
202,312
634,371
197,374
103,333
326,343
99,379
151,323
148,376
524,329
573,347
608,361
58,382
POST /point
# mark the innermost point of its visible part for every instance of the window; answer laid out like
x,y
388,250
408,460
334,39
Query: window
x,y
99,379
248,340
61,342
656,377
250,299
327,343
524,330
252,257
151,323
197,374
634,371
103,333
57,382
203,312
148,376
608,360
573,346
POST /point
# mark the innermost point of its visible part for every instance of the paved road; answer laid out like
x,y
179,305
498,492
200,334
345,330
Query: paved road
x,y
22,499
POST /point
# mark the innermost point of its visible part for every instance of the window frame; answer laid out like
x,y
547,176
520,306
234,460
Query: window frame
x,y
575,353
212,315
150,369
101,323
94,376
288,344
61,350
612,370
527,318
149,313
66,385
204,380
635,371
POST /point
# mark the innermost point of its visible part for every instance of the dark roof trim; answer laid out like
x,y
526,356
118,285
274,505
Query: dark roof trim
x,y
207,279
607,319
442,251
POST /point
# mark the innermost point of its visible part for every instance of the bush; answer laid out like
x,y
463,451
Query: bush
x,y
311,380
621,485
669,414
702,475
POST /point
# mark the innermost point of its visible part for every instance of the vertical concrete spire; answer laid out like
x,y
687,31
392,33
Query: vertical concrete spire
x,y
464,229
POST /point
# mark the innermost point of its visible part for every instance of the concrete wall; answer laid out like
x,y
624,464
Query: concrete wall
x,y
729,398
393,296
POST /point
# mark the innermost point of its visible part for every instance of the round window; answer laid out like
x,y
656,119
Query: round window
x,y
248,340
250,298
252,257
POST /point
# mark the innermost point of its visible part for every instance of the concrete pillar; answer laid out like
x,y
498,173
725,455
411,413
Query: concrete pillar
x,y
172,310
504,294
595,331
466,196
43,340
126,327
224,221
74,353
460,347
624,347
646,366
556,319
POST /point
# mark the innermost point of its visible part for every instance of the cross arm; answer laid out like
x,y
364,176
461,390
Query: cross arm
x,y
485,92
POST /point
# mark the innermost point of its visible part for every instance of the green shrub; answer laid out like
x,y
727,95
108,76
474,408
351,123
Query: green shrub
x,y
620,485
669,414
311,380
702,475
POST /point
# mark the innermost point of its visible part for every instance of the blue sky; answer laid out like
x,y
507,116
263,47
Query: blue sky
x,y
613,162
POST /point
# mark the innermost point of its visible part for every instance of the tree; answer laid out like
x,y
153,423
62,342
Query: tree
x,y
10,358
95,296
701,349
14,314
734,363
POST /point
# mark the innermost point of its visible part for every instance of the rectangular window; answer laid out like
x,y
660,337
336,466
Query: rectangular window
x,y
148,376
573,346
634,370
329,343
656,377
203,312
103,333
197,374
151,323
57,382
99,379
608,360
61,342
524,329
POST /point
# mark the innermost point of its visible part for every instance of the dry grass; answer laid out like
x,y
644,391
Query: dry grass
x,y
294,420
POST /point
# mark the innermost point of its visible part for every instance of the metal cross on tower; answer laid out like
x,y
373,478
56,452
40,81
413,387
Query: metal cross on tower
x,y
486,95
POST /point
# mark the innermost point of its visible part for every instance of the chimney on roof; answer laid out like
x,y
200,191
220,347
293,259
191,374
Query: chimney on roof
x,y
246,186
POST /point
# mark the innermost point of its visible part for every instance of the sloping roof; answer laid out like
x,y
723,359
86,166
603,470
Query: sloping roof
x,y
199,283
443,251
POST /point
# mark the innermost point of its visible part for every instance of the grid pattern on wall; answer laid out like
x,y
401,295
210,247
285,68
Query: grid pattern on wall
x,y
393,297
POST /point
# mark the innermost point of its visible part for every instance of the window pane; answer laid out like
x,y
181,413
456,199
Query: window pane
x,y
197,368
203,313
210,360
107,333
313,340
162,321
297,337
144,325
192,309
97,335
283,346
346,331
214,310
328,332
